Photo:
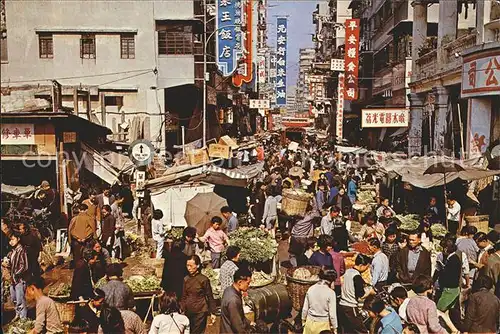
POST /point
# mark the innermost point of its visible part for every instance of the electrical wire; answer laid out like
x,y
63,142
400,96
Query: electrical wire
x,y
74,77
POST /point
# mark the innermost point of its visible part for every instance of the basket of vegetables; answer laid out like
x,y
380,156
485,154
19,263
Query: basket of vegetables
x,y
409,223
257,246
141,285
438,231
213,277
60,293
20,326
261,279
298,281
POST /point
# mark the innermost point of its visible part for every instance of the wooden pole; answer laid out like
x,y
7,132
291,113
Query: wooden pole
x,y
89,107
75,101
445,202
462,150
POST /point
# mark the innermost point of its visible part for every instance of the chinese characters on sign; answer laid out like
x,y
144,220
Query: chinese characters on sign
x,y
351,59
262,69
481,76
281,43
384,118
339,130
260,104
337,65
228,30
18,134
244,71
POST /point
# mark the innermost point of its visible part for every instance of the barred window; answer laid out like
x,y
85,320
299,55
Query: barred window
x,y
175,40
45,46
127,46
87,47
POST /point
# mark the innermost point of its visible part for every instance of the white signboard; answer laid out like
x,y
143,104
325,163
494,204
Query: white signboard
x,y
141,152
384,118
339,130
337,65
18,134
481,76
260,104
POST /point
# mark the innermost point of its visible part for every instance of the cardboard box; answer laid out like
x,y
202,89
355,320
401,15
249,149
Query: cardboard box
x,y
218,151
226,140
198,157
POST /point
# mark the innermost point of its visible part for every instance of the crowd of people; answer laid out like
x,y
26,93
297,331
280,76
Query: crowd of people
x,y
412,287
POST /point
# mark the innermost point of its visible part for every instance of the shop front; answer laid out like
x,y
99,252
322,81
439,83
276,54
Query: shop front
x,y
481,87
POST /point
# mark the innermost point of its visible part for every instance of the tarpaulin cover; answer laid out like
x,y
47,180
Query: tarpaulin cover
x,y
17,190
172,201
106,170
412,171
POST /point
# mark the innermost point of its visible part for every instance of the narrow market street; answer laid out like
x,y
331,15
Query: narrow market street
x,y
250,166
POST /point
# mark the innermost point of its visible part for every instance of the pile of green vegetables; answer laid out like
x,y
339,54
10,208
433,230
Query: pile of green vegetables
x,y
213,277
143,283
175,233
135,241
5,290
137,283
20,326
61,290
409,222
438,230
256,245
366,196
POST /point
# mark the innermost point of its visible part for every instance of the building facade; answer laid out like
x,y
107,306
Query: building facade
x,y
125,64
306,59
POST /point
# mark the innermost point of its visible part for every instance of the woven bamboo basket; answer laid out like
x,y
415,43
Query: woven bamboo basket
x,y
297,288
66,310
295,202
480,222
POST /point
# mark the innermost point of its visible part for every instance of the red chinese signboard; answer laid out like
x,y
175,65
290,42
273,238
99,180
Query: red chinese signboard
x,y
339,129
351,59
384,118
245,67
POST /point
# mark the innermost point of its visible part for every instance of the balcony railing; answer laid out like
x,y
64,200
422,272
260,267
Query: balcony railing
x,y
426,65
443,59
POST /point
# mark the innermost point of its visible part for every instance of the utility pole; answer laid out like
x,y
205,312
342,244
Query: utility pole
x,y
205,73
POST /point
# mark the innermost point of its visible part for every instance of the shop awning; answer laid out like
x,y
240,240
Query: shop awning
x,y
17,190
107,165
412,171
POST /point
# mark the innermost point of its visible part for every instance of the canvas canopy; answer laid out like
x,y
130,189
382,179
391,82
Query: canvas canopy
x,y
412,171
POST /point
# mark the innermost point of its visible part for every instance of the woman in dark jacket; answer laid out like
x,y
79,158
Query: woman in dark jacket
x,y
342,200
81,285
174,270
197,300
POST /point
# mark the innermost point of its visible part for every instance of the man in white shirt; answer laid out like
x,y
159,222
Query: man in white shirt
x,y
453,213
400,299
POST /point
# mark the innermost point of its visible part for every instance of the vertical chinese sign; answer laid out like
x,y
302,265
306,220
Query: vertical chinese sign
x,y
351,59
281,43
228,31
244,70
339,129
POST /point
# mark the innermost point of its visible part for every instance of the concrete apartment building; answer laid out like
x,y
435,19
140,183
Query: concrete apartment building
x,y
306,59
127,54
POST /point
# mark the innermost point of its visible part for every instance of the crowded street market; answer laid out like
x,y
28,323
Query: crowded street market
x,y
250,166
314,244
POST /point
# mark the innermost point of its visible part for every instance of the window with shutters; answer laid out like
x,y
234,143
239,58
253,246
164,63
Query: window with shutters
x,y
175,39
87,47
127,46
45,46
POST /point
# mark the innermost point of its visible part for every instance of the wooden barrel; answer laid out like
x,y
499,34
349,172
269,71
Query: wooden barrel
x,y
270,302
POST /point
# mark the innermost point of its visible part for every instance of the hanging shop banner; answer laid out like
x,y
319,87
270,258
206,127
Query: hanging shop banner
x,y
228,31
351,59
339,130
384,118
281,44
18,134
481,74
244,71
337,65
261,69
